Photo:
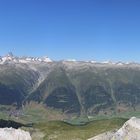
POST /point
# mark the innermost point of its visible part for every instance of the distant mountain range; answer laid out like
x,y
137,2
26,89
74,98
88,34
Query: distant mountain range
x,y
25,59
11,58
79,87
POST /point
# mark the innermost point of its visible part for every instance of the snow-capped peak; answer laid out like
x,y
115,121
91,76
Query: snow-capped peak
x,y
107,62
71,60
11,58
45,59
92,61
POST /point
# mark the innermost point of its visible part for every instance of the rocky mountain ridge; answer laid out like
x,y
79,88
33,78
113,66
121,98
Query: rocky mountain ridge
x,y
10,58
78,87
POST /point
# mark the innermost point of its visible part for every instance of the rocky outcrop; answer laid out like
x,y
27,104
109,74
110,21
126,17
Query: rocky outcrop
x,y
129,131
14,134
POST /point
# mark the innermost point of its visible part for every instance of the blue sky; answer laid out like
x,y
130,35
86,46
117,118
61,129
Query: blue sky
x,y
63,29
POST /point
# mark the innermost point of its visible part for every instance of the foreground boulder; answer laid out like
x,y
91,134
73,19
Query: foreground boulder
x,y
14,134
129,131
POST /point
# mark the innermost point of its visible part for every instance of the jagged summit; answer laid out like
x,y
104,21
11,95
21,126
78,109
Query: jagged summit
x,y
14,59
10,58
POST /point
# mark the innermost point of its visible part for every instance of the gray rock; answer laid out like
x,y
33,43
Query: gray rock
x,y
14,134
129,131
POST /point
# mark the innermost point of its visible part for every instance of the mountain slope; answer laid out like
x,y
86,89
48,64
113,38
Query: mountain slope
x,y
82,88
16,82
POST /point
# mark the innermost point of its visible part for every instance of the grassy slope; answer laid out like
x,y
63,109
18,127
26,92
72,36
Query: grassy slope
x,y
57,130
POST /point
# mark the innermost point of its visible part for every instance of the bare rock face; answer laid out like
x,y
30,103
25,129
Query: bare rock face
x,y
129,131
14,134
